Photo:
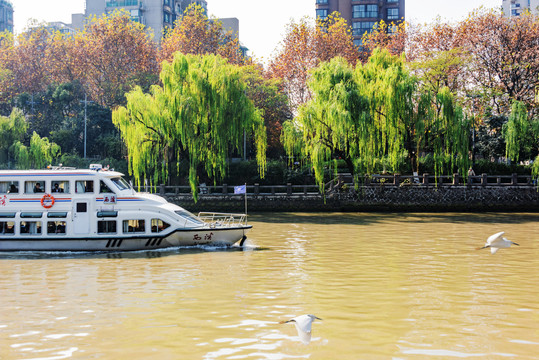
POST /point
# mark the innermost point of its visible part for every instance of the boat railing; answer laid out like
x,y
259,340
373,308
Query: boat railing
x,y
214,219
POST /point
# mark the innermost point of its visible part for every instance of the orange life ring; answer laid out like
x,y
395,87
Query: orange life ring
x,y
47,201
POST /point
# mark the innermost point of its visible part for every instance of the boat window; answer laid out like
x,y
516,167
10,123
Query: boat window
x,y
121,183
184,214
9,187
107,213
7,227
56,227
7,214
103,188
57,214
159,225
133,226
106,226
82,207
84,186
36,215
31,227
34,187
60,186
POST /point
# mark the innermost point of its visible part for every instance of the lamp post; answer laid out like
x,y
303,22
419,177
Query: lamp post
x,y
85,118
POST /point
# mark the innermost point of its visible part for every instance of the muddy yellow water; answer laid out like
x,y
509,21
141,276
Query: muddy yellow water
x,y
387,286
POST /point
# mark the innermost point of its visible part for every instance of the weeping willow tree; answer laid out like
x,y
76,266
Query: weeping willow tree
x,y
393,114
38,155
449,131
521,134
515,129
372,112
198,115
12,129
330,124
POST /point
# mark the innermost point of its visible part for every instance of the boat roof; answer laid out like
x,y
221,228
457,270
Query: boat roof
x,y
101,173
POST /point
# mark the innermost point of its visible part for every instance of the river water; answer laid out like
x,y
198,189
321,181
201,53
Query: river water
x,y
387,286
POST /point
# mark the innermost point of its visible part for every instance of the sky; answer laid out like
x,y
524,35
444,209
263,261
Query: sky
x,y
262,24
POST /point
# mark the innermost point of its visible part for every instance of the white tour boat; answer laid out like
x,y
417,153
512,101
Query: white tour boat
x,y
62,209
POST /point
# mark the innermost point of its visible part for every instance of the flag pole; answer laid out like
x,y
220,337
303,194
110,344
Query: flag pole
x,y
245,198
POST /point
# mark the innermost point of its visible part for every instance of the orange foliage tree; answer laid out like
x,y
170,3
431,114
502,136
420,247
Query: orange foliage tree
x,y
26,58
116,55
392,37
436,56
304,47
267,95
196,34
504,55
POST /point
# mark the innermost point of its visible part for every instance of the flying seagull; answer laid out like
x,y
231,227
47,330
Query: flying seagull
x,y
496,242
303,326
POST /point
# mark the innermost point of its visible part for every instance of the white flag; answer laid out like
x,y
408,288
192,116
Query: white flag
x,y
240,189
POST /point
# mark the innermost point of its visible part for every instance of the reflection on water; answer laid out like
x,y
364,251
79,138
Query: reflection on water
x,y
388,286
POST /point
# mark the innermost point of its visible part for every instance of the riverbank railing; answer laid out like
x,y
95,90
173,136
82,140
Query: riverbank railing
x,y
345,182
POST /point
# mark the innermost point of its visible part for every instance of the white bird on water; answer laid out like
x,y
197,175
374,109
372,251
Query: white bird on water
x,y
496,242
303,326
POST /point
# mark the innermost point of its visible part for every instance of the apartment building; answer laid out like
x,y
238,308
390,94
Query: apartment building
x,y
513,8
155,14
362,15
6,15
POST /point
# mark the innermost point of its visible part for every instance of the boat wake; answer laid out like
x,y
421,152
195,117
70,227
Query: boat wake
x,y
154,253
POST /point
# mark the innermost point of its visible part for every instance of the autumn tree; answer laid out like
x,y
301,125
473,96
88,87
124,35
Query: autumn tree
x,y
26,58
504,57
392,37
7,83
436,56
267,96
117,54
333,37
195,33
304,46
198,115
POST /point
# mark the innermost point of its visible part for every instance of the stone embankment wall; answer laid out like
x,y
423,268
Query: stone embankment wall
x,y
378,197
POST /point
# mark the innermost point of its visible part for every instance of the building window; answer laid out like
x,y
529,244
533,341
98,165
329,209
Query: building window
x,y
321,1
365,11
361,27
392,1
166,18
393,13
121,3
322,14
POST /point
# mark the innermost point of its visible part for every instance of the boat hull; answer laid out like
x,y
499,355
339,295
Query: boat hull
x,y
179,238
